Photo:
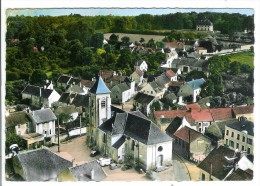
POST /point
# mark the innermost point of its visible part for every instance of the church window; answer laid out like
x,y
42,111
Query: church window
x,y
133,145
103,104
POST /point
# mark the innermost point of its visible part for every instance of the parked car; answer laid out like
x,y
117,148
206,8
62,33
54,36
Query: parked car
x,y
94,153
161,168
126,167
151,175
113,166
104,161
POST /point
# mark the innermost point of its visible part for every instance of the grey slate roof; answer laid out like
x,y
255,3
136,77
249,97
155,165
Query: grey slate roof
x,y
171,97
17,118
63,78
162,80
66,96
37,91
74,81
174,125
122,87
83,172
41,164
136,127
216,160
243,125
42,116
81,100
119,142
206,22
75,89
143,98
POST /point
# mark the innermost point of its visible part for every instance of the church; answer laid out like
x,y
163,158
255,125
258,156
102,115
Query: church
x,y
127,137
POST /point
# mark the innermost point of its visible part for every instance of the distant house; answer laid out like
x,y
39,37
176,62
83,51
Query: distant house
x,y
204,25
90,171
246,111
65,80
193,106
199,120
201,50
191,144
171,98
78,89
137,76
143,102
240,175
70,110
171,75
240,135
191,88
120,137
47,85
122,92
175,125
44,123
221,163
141,65
153,89
39,165
40,96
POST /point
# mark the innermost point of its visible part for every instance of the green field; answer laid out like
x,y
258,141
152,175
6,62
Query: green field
x,y
243,57
136,37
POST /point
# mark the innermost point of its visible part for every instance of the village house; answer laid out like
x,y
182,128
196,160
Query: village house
x,y
190,144
245,111
89,171
141,65
143,102
40,96
240,135
44,123
65,80
137,76
72,111
122,92
20,123
191,88
77,89
240,175
221,163
204,25
39,165
153,89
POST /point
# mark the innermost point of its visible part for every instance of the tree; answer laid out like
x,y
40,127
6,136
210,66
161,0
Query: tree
x,y
13,138
207,89
113,38
125,39
97,40
194,75
235,68
38,77
142,40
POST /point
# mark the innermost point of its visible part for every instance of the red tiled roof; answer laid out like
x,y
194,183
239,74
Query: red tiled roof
x,y
170,73
201,48
221,113
169,113
193,106
139,72
189,118
243,109
201,115
183,134
175,44
175,83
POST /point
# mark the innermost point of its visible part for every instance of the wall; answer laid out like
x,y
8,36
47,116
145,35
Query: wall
x,y
77,131
66,176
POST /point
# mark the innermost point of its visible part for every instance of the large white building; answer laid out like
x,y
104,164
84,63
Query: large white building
x,y
204,25
127,137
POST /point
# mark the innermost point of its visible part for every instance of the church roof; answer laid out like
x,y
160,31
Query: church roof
x,y
99,87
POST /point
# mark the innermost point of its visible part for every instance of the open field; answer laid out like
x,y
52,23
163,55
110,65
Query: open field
x,y
243,57
136,37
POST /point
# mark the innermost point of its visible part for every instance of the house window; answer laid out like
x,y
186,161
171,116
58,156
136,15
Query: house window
x,y
243,148
248,150
203,177
19,126
45,132
231,143
50,131
232,134
237,147
227,141
199,129
249,141
104,138
103,104
160,148
244,139
227,132
238,136
151,92
133,145
199,124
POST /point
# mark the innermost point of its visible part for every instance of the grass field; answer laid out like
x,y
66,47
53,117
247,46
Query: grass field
x,y
136,37
243,57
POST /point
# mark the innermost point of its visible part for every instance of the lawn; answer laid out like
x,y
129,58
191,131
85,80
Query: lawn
x,y
243,57
136,37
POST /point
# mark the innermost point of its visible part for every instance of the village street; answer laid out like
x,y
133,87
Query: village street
x,y
77,151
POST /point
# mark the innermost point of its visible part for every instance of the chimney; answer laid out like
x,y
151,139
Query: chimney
x,y
92,174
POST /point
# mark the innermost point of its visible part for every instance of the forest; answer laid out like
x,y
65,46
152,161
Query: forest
x,y
74,44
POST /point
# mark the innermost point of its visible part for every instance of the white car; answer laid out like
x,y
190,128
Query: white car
x,y
104,161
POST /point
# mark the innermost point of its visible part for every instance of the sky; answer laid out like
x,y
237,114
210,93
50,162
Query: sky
x,y
117,12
